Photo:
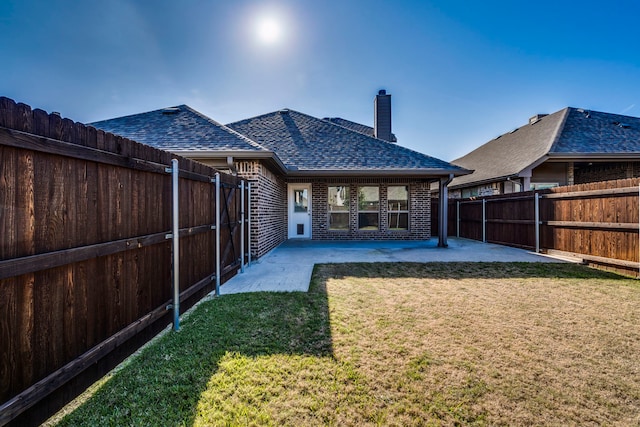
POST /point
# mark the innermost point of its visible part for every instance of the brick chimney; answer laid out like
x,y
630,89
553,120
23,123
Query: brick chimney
x,y
382,116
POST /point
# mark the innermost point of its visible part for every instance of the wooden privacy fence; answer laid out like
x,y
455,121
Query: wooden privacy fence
x,y
104,242
598,222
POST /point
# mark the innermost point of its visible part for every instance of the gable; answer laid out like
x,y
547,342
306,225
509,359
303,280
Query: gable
x,y
511,153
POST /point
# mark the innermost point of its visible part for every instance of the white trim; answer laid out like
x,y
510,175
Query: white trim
x,y
296,219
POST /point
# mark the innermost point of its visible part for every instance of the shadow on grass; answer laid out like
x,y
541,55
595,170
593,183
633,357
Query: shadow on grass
x,y
165,382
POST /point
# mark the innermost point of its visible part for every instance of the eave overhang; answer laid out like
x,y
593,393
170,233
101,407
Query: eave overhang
x,y
271,157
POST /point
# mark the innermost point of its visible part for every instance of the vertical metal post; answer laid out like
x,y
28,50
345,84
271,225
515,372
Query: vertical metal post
x,y
175,244
458,218
443,217
242,226
537,220
217,233
484,220
249,222
639,228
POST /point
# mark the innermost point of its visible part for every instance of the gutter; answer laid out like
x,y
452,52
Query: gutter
x,y
404,173
294,172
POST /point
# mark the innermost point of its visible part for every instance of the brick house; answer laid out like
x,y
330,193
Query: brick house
x,y
570,146
320,179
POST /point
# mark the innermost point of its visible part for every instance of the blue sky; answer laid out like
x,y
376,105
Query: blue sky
x,y
460,72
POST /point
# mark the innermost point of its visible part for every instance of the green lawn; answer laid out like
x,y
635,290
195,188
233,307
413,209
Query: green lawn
x,y
394,344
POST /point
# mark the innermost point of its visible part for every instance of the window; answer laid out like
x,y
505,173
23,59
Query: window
x,y
368,208
338,207
300,201
543,185
398,200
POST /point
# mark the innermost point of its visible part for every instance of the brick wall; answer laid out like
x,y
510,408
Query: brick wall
x,y
269,214
419,211
268,207
606,172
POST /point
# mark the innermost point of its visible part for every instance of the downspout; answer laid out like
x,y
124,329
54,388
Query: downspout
x,y
443,224
232,166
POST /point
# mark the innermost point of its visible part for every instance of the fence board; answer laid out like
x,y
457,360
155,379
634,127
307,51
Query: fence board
x,y
597,220
84,263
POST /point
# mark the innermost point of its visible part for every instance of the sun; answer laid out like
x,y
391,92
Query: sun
x,y
269,30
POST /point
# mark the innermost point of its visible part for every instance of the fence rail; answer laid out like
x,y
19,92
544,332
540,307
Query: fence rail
x,y
598,222
90,223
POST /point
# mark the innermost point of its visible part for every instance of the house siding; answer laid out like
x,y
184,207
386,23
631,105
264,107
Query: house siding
x,y
419,211
560,173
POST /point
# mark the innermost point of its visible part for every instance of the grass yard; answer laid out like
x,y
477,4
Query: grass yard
x,y
394,344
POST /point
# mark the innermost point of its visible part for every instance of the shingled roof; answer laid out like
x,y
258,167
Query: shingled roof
x,y
306,144
367,130
179,129
297,143
571,133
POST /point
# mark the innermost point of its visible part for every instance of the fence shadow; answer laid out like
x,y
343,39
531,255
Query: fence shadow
x,y
181,364
174,371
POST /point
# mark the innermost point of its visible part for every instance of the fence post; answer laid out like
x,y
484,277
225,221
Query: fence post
x,y
484,221
175,244
217,179
458,218
242,226
537,220
249,222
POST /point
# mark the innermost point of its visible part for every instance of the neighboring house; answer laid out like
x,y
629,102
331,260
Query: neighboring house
x,y
311,178
570,146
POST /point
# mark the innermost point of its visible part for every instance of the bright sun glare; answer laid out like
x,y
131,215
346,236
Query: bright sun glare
x,y
269,30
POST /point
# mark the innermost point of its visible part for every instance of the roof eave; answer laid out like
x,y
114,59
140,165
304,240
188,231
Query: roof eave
x,y
404,173
484,181
593,156
239,154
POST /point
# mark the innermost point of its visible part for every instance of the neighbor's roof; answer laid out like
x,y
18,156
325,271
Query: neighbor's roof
x,y
179,129
571,133
367,130
306,144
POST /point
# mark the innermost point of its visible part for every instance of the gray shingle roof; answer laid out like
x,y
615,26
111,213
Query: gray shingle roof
x,y
565,133
595,132
178,129
306,143
367,130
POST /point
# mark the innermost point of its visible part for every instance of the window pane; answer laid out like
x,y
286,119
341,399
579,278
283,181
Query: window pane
x,y
368,221
368,198
339,221
398,221
398,198
339,198
301,202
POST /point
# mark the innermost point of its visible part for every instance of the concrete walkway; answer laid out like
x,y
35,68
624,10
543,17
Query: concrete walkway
x,y
288,267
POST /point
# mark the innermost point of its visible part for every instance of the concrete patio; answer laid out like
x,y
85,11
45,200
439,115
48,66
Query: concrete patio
x,y
288,267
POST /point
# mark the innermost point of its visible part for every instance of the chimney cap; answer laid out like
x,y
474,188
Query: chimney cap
x,y
382,92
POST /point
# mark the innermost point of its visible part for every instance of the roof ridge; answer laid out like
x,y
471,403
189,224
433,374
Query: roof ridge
x,y
225,127
559,128
328,119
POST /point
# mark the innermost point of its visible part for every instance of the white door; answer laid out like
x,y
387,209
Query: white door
x,y
299,211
